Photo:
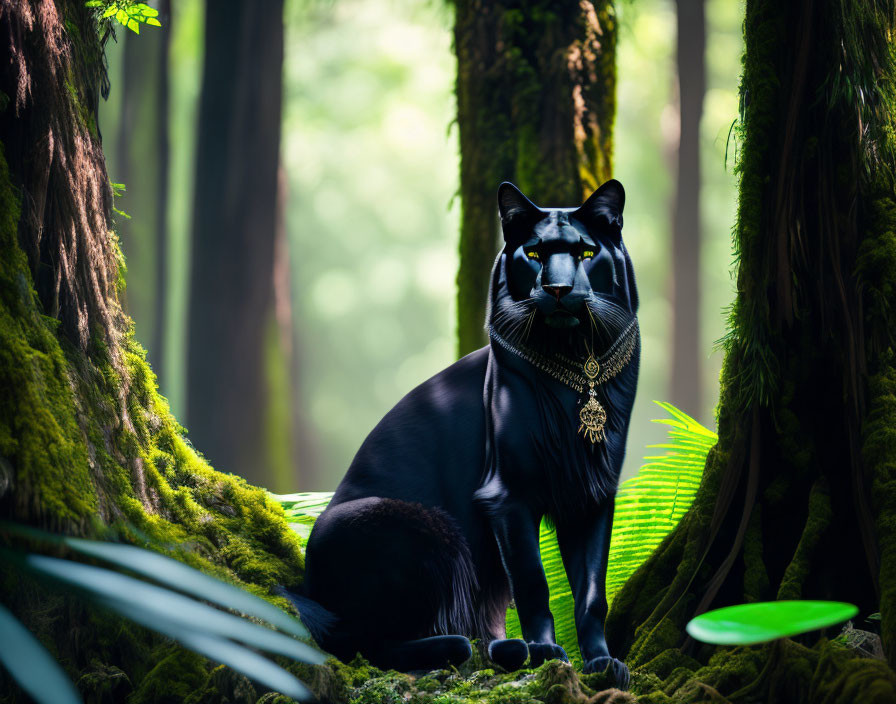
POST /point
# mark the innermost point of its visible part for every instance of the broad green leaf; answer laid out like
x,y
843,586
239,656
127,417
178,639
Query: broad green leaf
x,y
29,664
158,602
134,26
745,624
217,648
169,572
111,10
153,21
177,575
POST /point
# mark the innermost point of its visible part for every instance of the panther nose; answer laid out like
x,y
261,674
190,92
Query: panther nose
x,y
556,291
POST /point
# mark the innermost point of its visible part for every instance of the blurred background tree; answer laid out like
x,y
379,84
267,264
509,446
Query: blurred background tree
x,y
142,156
240,371
686,383
536,100
371,161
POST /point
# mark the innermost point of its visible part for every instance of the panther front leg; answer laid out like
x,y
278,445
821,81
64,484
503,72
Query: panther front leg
x,y
584,547
516,530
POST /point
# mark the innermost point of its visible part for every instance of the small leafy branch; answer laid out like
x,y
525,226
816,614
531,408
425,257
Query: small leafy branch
x,y
129,14
118,190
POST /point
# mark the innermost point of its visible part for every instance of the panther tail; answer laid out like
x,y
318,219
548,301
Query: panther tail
x,y
319,621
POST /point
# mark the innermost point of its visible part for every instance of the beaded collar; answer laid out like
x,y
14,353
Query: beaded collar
x,y
578,375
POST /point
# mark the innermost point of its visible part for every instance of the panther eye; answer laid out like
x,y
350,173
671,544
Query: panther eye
x,y
586,254
532,254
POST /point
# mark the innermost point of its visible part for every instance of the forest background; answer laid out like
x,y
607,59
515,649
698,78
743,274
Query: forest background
x,y
364,293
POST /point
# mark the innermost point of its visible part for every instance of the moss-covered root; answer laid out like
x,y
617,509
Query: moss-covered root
x,y
782,672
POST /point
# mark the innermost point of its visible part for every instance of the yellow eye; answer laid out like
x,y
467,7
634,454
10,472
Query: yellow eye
x,y
532,254
587,254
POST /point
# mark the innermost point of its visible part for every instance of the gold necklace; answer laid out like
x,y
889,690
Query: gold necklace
x,y
594,372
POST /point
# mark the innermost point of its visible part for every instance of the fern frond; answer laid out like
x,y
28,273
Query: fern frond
x,y
650,505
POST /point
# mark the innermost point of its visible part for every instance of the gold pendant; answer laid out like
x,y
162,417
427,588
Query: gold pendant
x,y
592,414
593,417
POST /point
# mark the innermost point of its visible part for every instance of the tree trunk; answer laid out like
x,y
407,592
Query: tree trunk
x,y
536,99
87,444
806,415
231,304
142,165
686,382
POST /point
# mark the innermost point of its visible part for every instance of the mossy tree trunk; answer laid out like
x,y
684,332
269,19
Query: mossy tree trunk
x,y
798,499
536,99
233,321
87,444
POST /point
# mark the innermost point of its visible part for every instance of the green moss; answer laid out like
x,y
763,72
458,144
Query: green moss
x,y
91,448
669,660
40,437
817,521
176,675
876,269
756,582
223,686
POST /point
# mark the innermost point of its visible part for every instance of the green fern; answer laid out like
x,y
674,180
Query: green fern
x,y
648,507
651,504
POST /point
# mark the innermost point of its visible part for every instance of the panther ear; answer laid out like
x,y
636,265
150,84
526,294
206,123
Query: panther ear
x,y
517,212
603,209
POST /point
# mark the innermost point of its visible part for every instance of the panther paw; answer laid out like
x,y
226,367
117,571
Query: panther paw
x,y
616,669
539,652
509,654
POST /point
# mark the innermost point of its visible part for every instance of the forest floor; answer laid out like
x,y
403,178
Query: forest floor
x,y
782,671
475,682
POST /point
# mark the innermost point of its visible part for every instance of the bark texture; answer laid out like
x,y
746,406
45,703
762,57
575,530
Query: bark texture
x,y
797,499
87,444
536,99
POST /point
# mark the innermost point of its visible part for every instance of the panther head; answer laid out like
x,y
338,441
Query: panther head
x,y
565,268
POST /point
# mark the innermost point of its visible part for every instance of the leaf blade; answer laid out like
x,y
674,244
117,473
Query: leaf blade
x,y
29,664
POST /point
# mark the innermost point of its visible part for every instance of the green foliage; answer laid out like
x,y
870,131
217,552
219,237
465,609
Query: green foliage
x,y
651,504
303,509
746,624
31,665
648,507
128,13
162,606
118,190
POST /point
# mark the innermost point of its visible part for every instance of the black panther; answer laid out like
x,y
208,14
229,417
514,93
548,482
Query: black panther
x,y
435,526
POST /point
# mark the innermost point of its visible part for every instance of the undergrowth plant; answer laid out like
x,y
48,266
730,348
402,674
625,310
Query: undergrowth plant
x,y
127,13
166,596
